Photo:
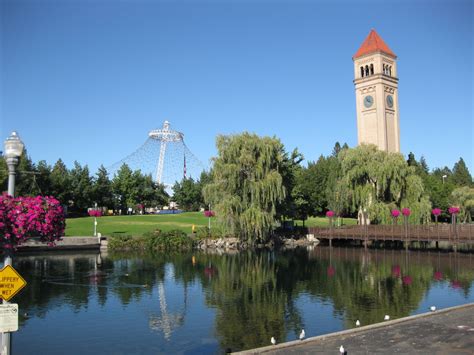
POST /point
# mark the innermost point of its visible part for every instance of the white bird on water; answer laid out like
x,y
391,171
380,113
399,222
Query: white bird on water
x,y
342,350
273,341
433,308
357,323
302,334
387,317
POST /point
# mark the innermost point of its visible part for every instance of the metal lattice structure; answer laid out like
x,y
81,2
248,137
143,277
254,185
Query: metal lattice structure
x,y
165,156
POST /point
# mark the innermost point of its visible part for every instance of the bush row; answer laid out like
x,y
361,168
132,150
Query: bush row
x,y
152,241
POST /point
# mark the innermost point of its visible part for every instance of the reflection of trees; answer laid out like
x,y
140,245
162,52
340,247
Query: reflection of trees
x,y
51,279
251,309
255,294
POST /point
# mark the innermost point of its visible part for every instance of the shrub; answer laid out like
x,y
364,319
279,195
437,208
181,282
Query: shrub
x,y
172,240
125,242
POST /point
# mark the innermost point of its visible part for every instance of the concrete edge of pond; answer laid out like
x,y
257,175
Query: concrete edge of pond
x,y
346,332
66,243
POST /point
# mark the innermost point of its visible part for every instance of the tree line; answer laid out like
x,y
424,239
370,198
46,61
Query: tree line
x,y
255,182
78,190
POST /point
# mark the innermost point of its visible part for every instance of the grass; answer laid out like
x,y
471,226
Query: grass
x,y
138,225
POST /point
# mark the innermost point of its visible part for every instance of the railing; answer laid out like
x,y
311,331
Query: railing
x,y
459,233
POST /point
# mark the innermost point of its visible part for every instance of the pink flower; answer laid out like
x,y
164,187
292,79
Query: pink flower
x,y
438,275
395,213
453,210
396,271
436,211
406,212
331,271
407,280
209,213
24,217
330,214
95,213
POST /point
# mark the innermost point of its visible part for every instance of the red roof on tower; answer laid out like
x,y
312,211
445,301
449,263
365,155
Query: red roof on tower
x,y
373,43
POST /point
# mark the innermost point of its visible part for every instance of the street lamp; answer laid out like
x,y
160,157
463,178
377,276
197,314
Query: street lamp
x,y
13,147
444,177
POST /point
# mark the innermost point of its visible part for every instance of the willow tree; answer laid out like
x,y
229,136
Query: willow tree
x,y
247,184
379,181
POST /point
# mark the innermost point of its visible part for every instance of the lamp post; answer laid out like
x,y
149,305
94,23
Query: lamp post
x,y
444,177
13,147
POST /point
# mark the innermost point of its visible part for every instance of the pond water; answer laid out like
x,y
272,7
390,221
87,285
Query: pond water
x,y
203,303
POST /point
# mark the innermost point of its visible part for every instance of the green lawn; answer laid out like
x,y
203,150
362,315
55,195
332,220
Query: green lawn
x,y
135,224
138,225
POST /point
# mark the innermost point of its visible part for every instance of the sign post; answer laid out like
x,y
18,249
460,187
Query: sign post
x,y
11,283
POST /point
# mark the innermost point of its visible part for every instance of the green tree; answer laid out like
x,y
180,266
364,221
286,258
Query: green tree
x,y
151,194
25,183
81,187
247,184
461,175
294,203
43,178
102,192
61,183
378,181
187,194
123,185
463,197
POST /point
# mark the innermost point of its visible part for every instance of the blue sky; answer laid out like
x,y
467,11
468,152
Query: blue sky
x,y
87,80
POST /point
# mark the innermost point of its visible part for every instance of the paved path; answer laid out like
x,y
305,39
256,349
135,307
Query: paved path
x,y
449,331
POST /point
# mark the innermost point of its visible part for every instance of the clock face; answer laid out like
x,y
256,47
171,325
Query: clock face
x,y
389,101
368,101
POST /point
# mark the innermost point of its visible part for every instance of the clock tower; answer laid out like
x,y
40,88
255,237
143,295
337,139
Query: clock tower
x,y
376,91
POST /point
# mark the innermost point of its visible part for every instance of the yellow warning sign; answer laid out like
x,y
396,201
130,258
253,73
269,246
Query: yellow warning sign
x,y
11,282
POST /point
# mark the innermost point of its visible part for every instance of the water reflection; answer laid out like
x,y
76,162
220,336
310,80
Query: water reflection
x,y
208,303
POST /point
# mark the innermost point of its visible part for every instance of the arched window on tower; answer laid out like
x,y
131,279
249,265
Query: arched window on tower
x,y
361,72
383,69
366,70
371,69
390,70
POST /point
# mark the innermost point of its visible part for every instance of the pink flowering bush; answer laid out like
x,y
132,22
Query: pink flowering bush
x,y
436,211
209,213
406,212
395,213
95,213
330,214
453,210
22,218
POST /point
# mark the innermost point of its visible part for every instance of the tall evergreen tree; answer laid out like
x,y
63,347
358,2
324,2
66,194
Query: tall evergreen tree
x,y
61,187
43,178
461,175
102,193
81,187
